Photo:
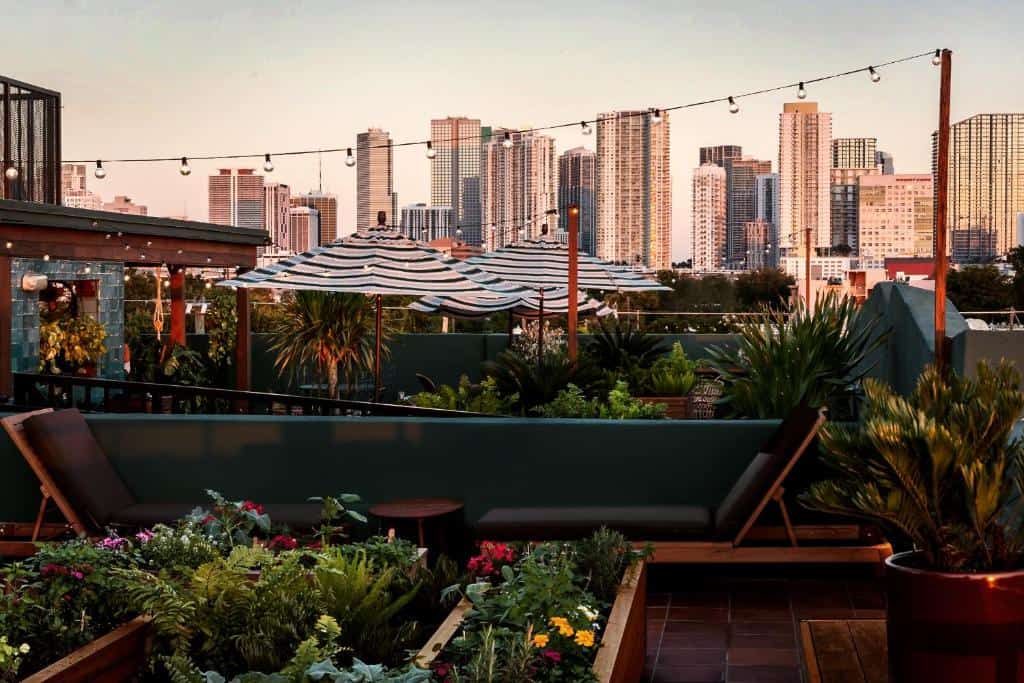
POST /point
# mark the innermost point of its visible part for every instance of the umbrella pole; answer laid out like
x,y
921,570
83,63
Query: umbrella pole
x,y
511,326
376,355
540,331
574,229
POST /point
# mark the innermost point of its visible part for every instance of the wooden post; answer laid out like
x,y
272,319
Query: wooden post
x,y
941,209
376,354
807,269
6,371
574,230
540,331
177,304
243,341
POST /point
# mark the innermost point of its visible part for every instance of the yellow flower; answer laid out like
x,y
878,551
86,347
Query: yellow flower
x,y
585,638
540,640
562,624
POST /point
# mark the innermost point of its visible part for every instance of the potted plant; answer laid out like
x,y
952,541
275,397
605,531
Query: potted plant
x,y
671,379
71,345
942,470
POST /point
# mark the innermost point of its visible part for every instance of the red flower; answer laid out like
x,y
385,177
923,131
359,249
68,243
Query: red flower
x,y
281,542
553,655
315,545
208,519
249,506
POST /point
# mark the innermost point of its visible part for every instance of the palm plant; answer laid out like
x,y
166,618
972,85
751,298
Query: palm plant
x,y
333,332
536,382
620,344
939,468
785,359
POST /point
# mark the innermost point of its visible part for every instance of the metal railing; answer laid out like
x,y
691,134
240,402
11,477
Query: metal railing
x,y
115,396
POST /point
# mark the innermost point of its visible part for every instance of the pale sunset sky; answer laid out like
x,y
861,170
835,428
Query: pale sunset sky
x,y
146,78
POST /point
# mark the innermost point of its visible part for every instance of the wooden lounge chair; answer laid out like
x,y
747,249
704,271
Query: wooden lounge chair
x,y
75,475
727,533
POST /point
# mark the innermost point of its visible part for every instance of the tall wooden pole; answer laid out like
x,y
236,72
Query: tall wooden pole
x,y
574,231
177,275
376,354
941,209
540,331
807,268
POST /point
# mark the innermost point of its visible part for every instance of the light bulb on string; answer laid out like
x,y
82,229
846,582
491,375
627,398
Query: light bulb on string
x,y
937,59
587,130
458,233
11,173
875,76
431,152
268,165
801,92
733,107
184,169
100,172
350,160
655,116
209,285
507,142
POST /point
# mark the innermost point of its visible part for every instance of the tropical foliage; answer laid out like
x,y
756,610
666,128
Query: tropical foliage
x,y
673,374
69,344
939,468
476,398
785,359
618,405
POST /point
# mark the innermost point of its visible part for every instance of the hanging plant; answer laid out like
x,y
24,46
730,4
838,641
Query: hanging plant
x,y
71,344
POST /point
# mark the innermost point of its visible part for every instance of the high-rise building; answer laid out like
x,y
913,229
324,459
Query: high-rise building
x,y
74,188
740,204
986,174
577,181
303,228
455,172
805,158
766,208
719,153
634,189
884,162
375,179
854,152
895,216
123,204
845,205
326,205
236,198
427,223
972,245
708,218
517,188
757,236
277,201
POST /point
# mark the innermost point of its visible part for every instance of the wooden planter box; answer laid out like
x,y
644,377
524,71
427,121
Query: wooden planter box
x,y
114,658
623,650
676,407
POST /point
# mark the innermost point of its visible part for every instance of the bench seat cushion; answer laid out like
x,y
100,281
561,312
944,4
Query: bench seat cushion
x,y
300,516
637,522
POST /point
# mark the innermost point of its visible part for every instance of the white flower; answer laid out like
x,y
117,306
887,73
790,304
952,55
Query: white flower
x,y
590,613
24,648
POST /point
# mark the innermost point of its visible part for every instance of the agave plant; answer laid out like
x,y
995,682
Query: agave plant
x,y
940,468
619,344
784,360
536,382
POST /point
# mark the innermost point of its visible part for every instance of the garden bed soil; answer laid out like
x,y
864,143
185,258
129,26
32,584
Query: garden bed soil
x,y
116,657
620,658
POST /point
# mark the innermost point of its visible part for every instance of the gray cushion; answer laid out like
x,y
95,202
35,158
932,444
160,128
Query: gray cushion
x,y
639,522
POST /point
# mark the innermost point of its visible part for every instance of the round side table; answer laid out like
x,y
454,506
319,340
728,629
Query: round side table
x,y
420,509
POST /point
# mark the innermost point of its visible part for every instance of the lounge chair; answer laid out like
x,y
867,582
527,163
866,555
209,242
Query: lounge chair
x,y
726,533
76,475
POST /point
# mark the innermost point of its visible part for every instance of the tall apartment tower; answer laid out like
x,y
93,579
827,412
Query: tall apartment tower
x,y
517,188
805,159
986,175
326,205
740,202
74,188
577,181
276,202
427,223
375,179
303,228
717,154
455,172
884,162
766,210
125,205
236,197
708,218
854,152
634,189
895,217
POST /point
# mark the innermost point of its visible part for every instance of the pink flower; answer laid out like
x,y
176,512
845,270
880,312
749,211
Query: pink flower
x,y
145,536
78,575
249,506
553,655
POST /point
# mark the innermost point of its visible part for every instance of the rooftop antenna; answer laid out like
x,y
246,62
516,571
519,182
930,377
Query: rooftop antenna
x,y
320,167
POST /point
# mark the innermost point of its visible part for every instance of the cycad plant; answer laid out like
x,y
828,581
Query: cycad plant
x,y
940,468
330,331
785,359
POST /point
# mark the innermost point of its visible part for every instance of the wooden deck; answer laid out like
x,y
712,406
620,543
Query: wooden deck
x,y
847,650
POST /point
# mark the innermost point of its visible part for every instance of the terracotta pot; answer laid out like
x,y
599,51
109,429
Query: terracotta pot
x,y
676,407
946,628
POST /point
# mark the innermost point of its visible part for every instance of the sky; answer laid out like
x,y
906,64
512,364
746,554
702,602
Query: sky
x,y
186,78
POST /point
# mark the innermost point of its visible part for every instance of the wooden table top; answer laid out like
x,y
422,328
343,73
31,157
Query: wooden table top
x,y
416,508
846,650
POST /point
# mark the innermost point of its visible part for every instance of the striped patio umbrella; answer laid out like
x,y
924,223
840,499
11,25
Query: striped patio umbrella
x,y
378,261
528,306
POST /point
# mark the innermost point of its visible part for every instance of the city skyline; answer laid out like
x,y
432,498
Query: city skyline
x,y
110,97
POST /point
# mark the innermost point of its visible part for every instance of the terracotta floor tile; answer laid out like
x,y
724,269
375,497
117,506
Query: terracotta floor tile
x,y
761,640
658,599
868,600
692,657
704,598
762,656
657,613
762,674
762,614
771,628
802,613
704,614
687,634
689,674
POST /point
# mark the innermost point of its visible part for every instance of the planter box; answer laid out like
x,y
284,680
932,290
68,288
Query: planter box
x,y
114,658
676,407
620,658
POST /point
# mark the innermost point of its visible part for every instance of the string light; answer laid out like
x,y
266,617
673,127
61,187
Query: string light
x,y
209,285
268,165
875,76
46,257
127,277
656,116
100,172
11,173
431,152
937,59
458,233
587,130
733,107
350,160
9,244
507,142
801,92
184,169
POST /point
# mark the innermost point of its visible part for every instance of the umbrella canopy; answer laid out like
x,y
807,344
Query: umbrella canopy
x,y
544,264
555,302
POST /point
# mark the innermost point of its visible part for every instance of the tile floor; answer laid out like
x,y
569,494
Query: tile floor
x,y
741,625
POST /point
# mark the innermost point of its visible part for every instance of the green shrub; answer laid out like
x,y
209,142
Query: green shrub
x,y
476,398
673,374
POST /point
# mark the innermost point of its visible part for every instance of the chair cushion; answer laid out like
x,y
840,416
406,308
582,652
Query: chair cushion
x,y
300,516
78,465
641,522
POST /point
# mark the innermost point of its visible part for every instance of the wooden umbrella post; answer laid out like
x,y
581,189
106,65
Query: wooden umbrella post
x,y
807,269
540,331
574,229
376,354
941,209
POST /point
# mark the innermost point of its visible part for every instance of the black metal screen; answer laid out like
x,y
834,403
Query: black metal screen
x,y
29,142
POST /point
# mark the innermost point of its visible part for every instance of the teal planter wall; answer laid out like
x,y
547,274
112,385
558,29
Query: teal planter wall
x,y
485,462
